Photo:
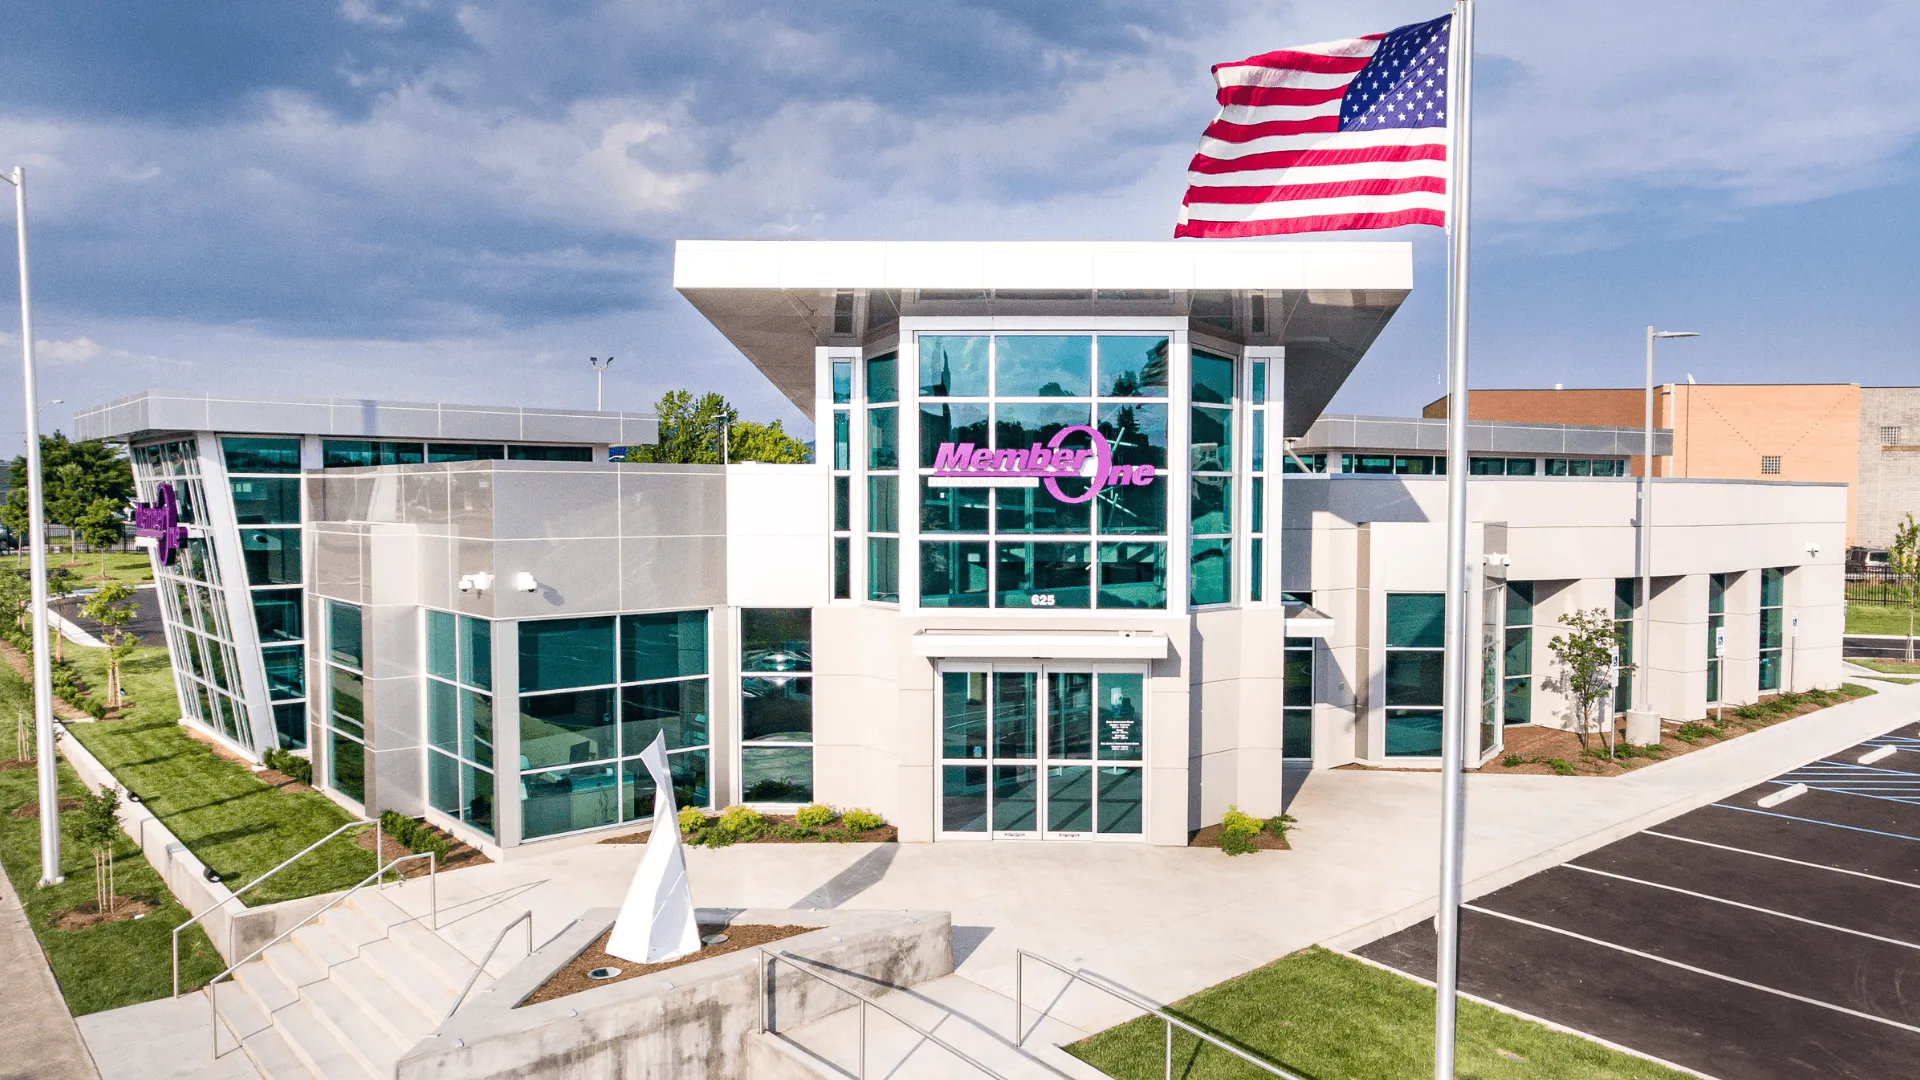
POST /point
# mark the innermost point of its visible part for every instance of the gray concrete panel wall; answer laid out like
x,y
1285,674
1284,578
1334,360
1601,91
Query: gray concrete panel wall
x,y
1889,462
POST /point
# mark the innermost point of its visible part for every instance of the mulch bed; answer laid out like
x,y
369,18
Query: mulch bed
x,y
24,668
282,782
125,909
17,763
390,849
1265,840
32,809
885,834
572,979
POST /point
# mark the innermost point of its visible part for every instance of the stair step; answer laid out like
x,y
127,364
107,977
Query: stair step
x,y
294,964
403,971
264,988
316,1046
241,1011
275,1060
445,962
352,926
397,1013
325,949
371,1044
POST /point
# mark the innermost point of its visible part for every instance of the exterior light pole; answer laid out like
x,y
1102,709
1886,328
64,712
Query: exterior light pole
x,y
1643,698
600,381
48,762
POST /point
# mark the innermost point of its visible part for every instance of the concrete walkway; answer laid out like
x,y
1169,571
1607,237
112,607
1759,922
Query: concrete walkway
x,y
41,1041
1163,922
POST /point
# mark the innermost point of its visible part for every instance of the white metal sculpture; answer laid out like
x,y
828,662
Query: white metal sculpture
x,y
656,922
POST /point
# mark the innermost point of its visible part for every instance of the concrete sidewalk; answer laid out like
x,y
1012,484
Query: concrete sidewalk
x,y
42,1042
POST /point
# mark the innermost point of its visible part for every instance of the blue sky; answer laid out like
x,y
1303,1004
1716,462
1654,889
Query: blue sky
x,y
415,199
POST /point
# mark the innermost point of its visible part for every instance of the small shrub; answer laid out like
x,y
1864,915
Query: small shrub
x,y
857,820
1513,761
814,816
1278,826
1237,831
1560,766
286,764
692,821
739,823
415,835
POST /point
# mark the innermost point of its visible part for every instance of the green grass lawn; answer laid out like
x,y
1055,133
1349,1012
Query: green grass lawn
x,y
233,821
1877,619
102,967
1890,667
1323,1016
134,567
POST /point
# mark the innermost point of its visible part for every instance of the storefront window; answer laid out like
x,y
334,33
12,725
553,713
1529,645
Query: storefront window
x,y
776,705
594,694
460,718
1035,546
1415,676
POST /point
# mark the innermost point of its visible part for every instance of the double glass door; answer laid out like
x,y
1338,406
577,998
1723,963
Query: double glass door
x,y
1042,751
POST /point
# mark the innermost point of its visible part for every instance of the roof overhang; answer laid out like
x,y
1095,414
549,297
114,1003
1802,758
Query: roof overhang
x,y
777,300
1040,645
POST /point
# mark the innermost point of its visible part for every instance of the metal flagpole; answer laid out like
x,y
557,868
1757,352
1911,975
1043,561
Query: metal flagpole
x,y
1453,738
37,539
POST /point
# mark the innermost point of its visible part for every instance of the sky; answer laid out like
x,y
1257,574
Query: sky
x,y
464,201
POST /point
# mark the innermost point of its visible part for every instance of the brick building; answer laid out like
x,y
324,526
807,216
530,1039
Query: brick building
x,y
1865,437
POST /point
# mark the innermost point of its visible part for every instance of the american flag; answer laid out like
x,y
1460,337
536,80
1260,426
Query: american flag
x,y
1348,134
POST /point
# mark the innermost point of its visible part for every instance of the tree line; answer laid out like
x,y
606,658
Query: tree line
x,y
85,486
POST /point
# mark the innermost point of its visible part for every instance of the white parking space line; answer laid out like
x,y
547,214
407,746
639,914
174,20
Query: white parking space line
x,y
1762,987
1783,858
1738,904
1817,821
1881,754
1791,791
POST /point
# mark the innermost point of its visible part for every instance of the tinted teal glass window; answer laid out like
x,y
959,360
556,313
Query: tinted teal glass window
x,y
1212,449
676,709
883,379
565,800
1413,732
953,575
1133,575
559,653
443,650
953,366
1416,620
360,453
1772,587
343,633
246,454
1212,378
1043,575
948,422
1018,427
1212,572
842,381
466,452
1043,366
776,639
883,438
272,556
550,453
286,676
663,646
1133,366
883,504
842,440
946,509
566,728
476,652
276,613
776,774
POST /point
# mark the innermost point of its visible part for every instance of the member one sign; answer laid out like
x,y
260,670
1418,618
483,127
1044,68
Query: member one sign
x,y
964,465
158,522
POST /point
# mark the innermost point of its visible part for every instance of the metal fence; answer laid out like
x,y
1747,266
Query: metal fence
x,y
1872,587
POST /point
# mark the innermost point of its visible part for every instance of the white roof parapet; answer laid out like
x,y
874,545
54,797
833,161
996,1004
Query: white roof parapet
x,y
156,411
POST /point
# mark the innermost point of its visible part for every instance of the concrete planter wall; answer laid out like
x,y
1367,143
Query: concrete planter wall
x,y
694,1020
235,929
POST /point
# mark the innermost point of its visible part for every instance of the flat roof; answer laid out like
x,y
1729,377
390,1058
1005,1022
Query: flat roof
x,y
159,412
777,300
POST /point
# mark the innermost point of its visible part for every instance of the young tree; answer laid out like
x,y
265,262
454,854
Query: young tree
x,y
1903,564
60,584
101,527
749,440
15,595
691,433
1586,651
101,830
112,607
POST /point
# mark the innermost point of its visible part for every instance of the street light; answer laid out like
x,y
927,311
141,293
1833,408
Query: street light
x,y
600,381
49,777
1642,714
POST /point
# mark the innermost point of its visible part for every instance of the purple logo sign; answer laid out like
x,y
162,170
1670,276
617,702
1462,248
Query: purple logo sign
x,y
160,521
1048,464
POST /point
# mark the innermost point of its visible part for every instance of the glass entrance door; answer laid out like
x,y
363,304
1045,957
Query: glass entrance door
x,y
1032,751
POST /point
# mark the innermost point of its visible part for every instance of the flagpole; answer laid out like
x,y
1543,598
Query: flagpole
x,y
1453,741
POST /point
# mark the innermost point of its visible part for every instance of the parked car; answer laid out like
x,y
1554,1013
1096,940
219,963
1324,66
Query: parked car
x,y
1866,561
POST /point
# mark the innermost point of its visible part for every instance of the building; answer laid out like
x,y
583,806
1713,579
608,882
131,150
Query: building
x,y
1867,437
1049,579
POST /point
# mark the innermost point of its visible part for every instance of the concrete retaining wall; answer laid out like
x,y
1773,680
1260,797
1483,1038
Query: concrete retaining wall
x,y
694,1020
234,929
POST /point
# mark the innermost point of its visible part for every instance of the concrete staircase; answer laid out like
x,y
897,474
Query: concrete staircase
x,y
344,996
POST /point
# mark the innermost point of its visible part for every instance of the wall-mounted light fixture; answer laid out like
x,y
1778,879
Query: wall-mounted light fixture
x,y
1813,549
476,583
525,582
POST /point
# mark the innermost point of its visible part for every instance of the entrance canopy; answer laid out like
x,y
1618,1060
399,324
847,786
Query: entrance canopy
x,y
778,300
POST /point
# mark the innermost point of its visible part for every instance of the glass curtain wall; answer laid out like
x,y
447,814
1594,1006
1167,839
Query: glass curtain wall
x,y
459,689
1416,673
1716,622
1210,487
346,712
1257,485
883,478
1518,673
594,692
1772,625
776,705
1021,547
264,475
199,636
842,376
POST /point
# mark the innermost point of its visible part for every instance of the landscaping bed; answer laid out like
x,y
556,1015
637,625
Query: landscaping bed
x,y
744,825
1545,750
1322,1015
572,979
1244,834
402,836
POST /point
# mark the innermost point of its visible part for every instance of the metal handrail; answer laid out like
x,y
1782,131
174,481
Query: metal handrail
x,y
1019,1015
433,885
378,850
526,917
766,990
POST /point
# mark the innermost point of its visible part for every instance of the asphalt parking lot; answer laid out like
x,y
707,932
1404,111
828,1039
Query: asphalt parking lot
x,y
1741,940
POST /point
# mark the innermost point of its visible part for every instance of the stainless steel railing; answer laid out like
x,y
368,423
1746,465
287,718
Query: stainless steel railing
x,y
212,986
769,959
1019,1015
378,852
526,917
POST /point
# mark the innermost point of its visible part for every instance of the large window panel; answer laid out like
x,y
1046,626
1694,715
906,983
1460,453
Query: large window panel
x,y
272,556
953,366
1043,365
558,654
677,709
276,614
665,645
568,800
248,454
953,575
261,500
1043,575
776,709
1133,365
568,727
